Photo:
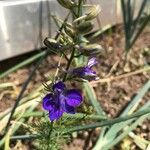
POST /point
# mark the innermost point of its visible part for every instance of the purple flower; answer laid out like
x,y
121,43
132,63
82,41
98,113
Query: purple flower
x,y
61,100
86,72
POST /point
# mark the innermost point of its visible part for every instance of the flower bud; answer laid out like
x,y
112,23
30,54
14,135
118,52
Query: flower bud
x,y
69,31
66,38
93,12
66,3
85,72
84,27
92,50
52,44
61,40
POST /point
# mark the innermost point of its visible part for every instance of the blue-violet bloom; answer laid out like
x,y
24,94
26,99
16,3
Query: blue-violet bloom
x,y
86,72
61,101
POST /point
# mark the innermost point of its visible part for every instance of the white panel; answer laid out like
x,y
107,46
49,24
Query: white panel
x,y
20,23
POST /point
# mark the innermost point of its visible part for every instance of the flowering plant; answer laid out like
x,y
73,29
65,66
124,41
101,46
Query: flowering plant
x,y
62,100
80,56
69,102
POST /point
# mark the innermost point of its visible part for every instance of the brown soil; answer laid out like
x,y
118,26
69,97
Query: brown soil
x,y
113,96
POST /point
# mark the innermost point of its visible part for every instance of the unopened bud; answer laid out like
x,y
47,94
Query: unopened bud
x,y
84,27
92,50
52,44
66,38
61,40
93,12
68,24
69,31
66,3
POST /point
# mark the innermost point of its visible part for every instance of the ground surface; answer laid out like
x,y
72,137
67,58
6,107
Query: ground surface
x,y
113,95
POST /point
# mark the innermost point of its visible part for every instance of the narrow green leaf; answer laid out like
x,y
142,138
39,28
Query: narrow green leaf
x,y
22,64
137,19
24,137
104,143
114,129
139,30
17,125
92,98
127,130
125,23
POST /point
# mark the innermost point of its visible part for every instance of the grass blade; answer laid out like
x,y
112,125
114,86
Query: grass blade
x,y
23,137
132,126
112,132
111,121
92,97
114,129
143,5
129,129
124,15
22,64
141,28
23,90
130,26
18,125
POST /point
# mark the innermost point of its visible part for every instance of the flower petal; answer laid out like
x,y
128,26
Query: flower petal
x,y
92,62
78,72
55,114
85,73
89,72
69,109
48,102
73,98
59,86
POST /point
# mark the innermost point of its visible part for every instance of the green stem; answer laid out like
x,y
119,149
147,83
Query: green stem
x,y
73,51
80,8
